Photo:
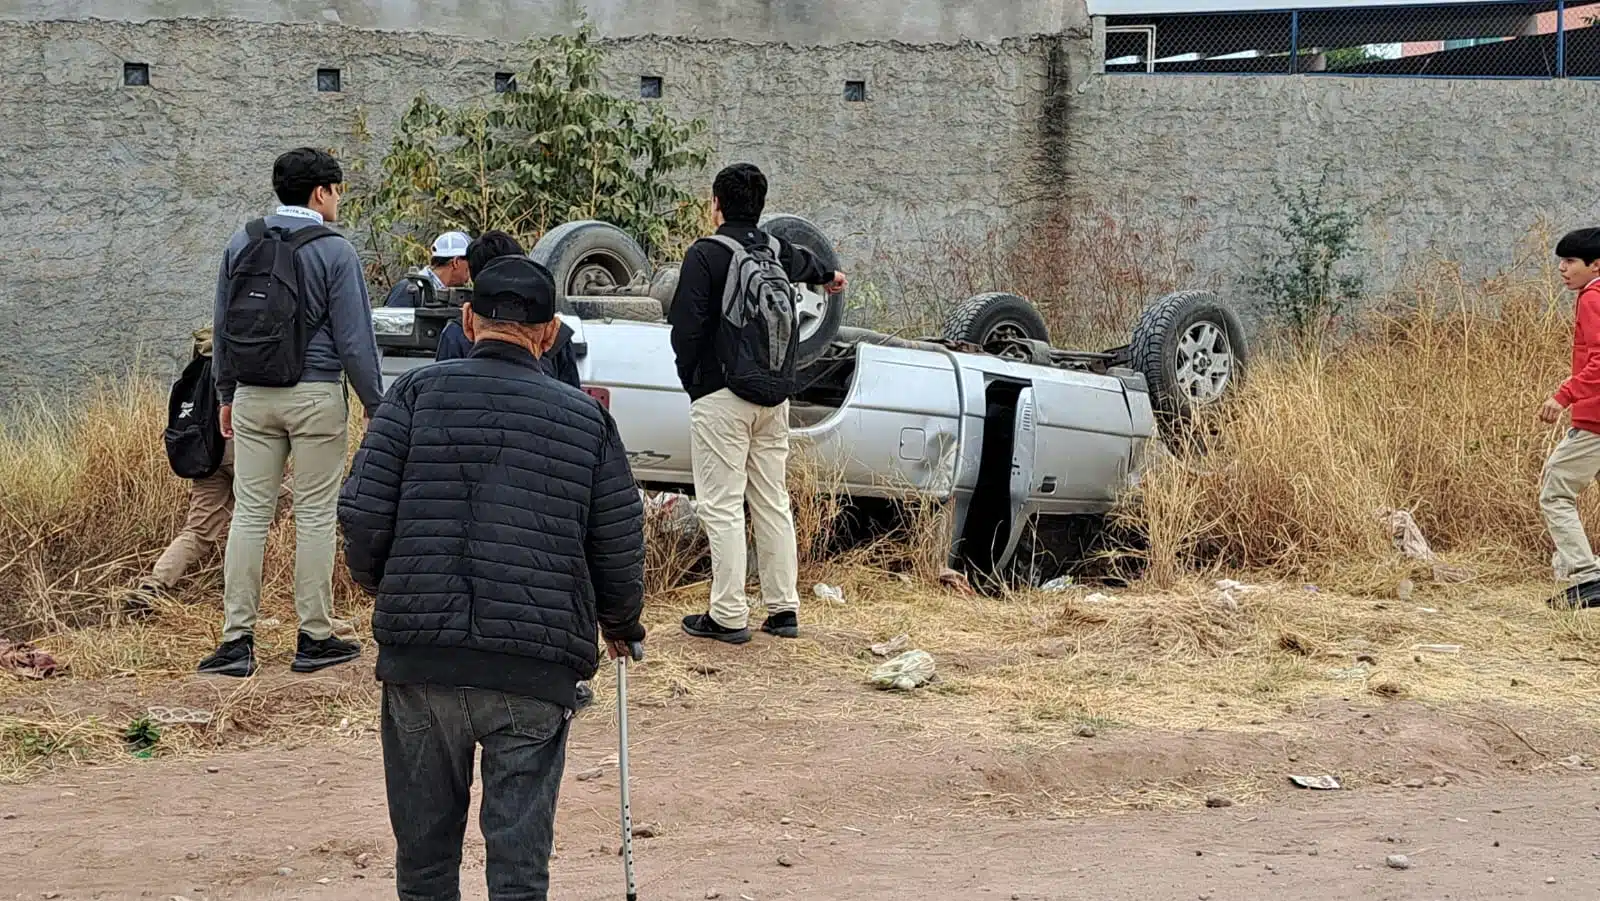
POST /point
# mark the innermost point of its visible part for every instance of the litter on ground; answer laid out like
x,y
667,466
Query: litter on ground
x,y
1438,648
1359,671
173,715
1410,542
955,581
905,672
28,661
1316,783
828,593
676,511
893,646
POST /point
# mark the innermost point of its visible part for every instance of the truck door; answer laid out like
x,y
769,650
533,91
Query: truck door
x,y
1085,437
1023,449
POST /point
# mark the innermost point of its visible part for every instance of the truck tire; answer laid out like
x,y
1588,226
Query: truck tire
x,y
989,317
1191,348
821,313
589,258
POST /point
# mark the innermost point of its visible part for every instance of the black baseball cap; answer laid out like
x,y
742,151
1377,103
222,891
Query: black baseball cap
x,y
514,289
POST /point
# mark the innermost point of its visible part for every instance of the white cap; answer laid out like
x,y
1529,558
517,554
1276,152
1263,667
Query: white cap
x,y
451,244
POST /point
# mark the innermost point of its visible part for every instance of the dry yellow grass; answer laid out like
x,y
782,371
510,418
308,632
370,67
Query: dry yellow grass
x,y
85,497
1430,410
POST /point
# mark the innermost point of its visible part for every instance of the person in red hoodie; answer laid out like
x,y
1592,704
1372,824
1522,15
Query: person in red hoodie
x,y
1576,460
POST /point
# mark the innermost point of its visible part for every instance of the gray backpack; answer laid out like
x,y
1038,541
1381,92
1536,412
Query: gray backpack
x,y
758,338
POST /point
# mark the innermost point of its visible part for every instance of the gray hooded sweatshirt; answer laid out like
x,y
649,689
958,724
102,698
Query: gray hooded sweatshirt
x,y
331,272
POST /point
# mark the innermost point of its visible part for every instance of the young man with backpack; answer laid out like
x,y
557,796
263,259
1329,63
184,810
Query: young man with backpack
x,y
293,320
734,332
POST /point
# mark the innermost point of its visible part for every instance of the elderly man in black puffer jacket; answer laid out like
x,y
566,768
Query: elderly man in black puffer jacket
x,y
492,510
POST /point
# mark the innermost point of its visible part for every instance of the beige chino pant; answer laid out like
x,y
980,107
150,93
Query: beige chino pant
x,y
307,422
740,452
1572,466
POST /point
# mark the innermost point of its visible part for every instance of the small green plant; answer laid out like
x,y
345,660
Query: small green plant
x,y
1304,282
554,147
38,743
142,735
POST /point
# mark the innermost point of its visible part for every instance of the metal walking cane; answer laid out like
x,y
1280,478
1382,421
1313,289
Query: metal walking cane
x,y
636,651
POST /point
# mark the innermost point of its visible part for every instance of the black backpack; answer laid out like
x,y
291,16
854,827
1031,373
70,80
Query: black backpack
x,y
758,336
194,437
263,336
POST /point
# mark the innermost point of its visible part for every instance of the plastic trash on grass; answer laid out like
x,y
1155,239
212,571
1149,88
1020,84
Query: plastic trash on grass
x,y
828,593
905,672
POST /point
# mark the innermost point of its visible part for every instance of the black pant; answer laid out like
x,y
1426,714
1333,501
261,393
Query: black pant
x,y
429,735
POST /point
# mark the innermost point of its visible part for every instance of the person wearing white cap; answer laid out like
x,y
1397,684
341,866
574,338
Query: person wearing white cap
x,y
447,269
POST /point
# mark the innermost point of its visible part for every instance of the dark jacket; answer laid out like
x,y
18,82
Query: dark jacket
x,y
453,343
561,363
697,306
492,510
404,293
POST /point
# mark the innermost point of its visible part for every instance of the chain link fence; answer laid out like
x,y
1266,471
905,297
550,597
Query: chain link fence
x,y
1546,39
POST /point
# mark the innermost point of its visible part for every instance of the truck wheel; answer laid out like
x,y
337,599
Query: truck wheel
x,y
993,317
589,258
820,313
1191,349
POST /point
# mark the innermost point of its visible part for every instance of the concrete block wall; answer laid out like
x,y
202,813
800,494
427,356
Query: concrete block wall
x,y
116,200
1459,169
782,21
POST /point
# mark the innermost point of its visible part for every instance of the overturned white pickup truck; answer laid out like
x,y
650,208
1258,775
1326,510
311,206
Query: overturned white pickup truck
x,y
1016,433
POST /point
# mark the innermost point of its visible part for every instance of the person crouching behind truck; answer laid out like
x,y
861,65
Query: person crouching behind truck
x,y
205,526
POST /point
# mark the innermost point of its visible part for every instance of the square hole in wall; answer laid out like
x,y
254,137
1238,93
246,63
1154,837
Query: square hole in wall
x,y
855,91
505,82
136,75
650,87
329,81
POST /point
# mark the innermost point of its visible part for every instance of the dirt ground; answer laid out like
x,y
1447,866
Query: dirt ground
x,y
840,796
1131,747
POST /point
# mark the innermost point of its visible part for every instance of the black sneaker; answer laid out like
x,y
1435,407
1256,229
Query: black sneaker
x,y
236,658
701,625
312,655
1583,596
783,625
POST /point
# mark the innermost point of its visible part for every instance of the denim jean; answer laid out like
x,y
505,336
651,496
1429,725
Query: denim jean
x,y
429,735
